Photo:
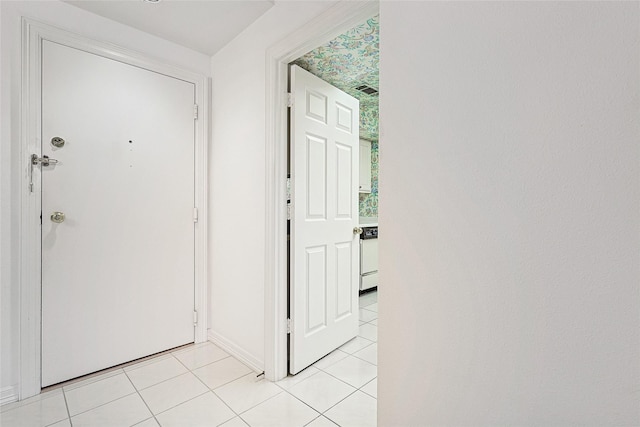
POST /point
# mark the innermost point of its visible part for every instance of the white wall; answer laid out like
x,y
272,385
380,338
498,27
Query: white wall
x,y
237,170
92,26
510,199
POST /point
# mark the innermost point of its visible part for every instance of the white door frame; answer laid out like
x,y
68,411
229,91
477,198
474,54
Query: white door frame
x,y
33,33
335,21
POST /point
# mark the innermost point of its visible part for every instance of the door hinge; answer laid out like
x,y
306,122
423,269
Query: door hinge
x,y
289,100
195,111
195,214
195,318
288,326
288,211
288,189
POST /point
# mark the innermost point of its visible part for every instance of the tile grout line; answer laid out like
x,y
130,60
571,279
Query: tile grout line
x,y
351,385
305,403
143,401
145,420
227,405
245,421
210,363
79,382
320,415
350,394
210,389
175,406
346,397
68,414
64,395
163,381
103,404
356,389
315,373
337,403
207,364
364,360
257,404
228,382
135,391
21,403
188,400
361,388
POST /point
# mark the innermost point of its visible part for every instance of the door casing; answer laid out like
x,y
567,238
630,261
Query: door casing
x,y
33,33
336,20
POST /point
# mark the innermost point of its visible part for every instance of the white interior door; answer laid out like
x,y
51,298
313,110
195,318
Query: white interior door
x,y
324,249
118,273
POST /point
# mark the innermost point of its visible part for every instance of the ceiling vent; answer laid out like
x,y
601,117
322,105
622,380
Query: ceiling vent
x,y
367,89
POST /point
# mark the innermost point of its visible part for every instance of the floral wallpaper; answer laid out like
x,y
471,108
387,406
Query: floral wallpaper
x,y
348,61
369,201
369,121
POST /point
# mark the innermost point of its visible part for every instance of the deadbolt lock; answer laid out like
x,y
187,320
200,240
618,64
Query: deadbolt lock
x,y
44,160
56,141
57,217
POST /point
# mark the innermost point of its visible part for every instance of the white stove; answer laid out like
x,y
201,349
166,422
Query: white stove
x,y
368,256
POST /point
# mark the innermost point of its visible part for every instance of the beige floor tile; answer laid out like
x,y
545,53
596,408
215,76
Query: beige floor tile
x,y
353,371
359,409
126,411
199,356
321,391
40,412
204,410
175,391
283,410
155,372
247,392
98,393
219,373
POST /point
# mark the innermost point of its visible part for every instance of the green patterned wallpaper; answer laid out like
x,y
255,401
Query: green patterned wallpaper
x,y
369,201
348,61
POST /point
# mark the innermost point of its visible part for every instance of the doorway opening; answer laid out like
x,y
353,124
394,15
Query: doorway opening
x,y
350,63
336,20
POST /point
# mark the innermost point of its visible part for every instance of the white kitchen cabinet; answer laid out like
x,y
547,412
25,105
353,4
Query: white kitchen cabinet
x,y
365,166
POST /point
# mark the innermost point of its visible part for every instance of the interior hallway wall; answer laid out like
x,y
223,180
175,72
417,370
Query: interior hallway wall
x,y
237,170
78,21
510,138
237,167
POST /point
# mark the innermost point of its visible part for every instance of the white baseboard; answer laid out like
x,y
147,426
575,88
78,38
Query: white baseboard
x,y
8,394
237,352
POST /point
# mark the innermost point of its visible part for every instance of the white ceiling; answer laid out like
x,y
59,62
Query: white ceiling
x,y
202,25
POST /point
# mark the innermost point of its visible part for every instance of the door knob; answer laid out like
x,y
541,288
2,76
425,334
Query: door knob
x,y
57,217
357,230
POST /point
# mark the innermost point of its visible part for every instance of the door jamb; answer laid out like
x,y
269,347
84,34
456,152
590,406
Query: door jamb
x,y
336,20
33,33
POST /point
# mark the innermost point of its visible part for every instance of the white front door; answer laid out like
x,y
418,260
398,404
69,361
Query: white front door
x,y
324,249
118,271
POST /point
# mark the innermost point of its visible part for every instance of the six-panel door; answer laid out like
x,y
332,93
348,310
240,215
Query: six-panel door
x,y
324,249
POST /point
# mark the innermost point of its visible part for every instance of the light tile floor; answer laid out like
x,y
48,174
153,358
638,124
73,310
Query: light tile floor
x,y
201,385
